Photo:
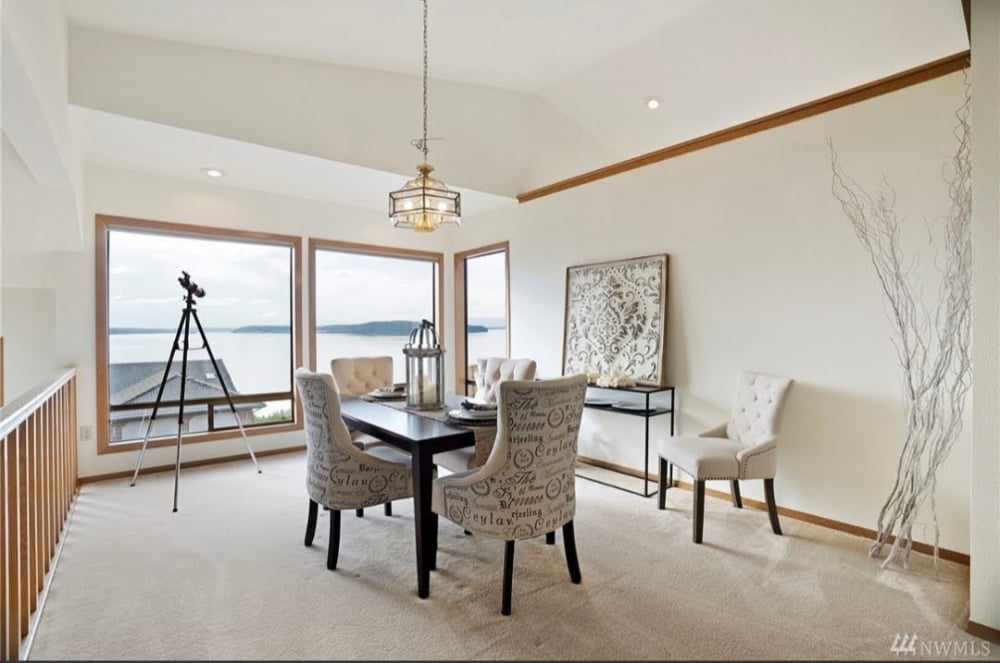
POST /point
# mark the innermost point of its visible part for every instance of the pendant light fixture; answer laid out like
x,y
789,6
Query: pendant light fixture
x,y
424,203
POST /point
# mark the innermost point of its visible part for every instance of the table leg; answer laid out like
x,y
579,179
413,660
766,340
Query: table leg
x,y
424,520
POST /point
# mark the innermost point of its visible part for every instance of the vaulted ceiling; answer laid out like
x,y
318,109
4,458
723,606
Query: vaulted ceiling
x,y
320,98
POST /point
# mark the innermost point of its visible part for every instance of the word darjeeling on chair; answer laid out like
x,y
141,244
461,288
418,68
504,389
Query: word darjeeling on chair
x,y
338,474
743,448
527,486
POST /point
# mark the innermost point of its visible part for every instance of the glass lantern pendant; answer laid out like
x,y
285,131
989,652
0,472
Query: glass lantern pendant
x,y
424,369
424,203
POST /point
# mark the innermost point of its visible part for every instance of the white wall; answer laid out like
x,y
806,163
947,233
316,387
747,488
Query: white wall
x,y
765,273
30,330
36,120
130,194
984,579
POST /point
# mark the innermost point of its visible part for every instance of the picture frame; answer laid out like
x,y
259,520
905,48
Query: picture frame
x,y
615,319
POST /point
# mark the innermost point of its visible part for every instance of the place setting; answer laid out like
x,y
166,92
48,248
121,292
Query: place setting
x,y
396,392
474,411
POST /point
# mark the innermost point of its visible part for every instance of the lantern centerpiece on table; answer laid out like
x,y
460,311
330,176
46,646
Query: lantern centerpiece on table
x,y
424,369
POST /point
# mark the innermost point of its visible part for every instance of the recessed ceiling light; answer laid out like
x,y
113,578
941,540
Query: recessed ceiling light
x,y
212,172
652,103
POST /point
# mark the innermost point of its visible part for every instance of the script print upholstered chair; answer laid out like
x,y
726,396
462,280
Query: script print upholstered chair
x,y
338,474
497,370
527,487
356,376
745,447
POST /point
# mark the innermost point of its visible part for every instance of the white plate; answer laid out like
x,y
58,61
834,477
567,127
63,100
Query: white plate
x,y
640,407
459,413
480,405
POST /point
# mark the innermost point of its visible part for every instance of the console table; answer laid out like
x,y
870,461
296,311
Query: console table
x,y
621,401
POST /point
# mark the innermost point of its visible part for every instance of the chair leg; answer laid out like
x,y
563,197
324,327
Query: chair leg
x,y
360,513
735,492
334,546
311,522
388,508
508,576
772,508
550,538
699,509
663,484
569,543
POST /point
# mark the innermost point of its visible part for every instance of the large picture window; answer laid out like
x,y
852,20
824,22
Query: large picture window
x,y
367,299
481,309
248,316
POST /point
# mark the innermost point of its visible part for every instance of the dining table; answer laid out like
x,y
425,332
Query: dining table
x,y
421,433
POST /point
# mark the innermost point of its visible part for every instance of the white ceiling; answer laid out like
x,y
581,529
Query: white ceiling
x,y
513,44
124,142
561,82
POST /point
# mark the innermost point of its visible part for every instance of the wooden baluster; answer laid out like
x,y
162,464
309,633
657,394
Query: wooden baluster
x,y
12,638
23,525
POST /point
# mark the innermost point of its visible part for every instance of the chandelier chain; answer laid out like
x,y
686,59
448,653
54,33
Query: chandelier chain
x,y
423,143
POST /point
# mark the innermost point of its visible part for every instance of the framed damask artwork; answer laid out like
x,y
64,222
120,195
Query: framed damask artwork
x,y
616,315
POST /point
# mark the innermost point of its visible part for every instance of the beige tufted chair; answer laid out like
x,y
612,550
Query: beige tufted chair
x,y
527,486
338,474
356,376
498,370
746,447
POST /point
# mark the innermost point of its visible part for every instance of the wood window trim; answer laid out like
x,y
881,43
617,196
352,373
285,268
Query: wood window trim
x,y
103,224
461,312
316,245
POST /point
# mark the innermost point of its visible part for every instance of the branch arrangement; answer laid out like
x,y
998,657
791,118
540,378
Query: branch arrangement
x,y
932,344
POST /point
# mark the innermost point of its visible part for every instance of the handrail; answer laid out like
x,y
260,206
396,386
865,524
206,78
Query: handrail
x,y
38,486
15,412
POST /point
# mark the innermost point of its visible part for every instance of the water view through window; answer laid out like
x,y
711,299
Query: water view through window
x,y
246,314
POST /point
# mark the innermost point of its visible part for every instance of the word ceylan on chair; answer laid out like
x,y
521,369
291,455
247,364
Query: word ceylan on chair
x,y
534,461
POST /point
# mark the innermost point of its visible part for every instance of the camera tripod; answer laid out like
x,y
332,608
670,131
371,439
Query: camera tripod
x,y
189,312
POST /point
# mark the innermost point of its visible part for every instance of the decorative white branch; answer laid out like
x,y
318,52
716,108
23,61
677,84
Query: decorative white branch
x,y
932,348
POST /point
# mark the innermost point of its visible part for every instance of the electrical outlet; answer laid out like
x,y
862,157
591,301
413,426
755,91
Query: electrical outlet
x,y
86,432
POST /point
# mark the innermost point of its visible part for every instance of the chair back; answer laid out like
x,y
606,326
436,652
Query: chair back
x,y
359,375
501,369
528,484
339,475
757,409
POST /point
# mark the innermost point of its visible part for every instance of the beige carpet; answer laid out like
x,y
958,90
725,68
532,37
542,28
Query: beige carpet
x,y
227,577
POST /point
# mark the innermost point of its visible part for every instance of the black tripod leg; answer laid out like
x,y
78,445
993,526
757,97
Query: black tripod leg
x,y
180,409
225,390
159,395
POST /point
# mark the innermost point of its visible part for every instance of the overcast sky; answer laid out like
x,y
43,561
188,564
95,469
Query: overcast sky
x,y
248,283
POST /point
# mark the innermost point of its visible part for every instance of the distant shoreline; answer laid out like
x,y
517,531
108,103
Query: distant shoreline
x,y
375,328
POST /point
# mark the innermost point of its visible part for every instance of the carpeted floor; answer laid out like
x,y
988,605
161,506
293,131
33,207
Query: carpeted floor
x,y
227,577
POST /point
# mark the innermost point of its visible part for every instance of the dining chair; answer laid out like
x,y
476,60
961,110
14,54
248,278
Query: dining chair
x,y
745,447
497,370
527,487
355,377
339,475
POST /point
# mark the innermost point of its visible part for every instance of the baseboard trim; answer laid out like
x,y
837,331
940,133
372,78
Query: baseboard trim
x,y
829,523
987,633
94,478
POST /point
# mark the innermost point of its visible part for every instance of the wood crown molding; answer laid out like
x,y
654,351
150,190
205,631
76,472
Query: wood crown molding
x,y
898,81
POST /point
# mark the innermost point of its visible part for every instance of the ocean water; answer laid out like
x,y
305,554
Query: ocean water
x,y
260,363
